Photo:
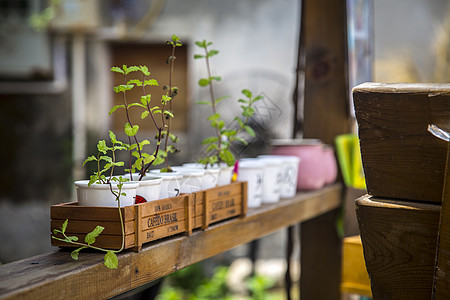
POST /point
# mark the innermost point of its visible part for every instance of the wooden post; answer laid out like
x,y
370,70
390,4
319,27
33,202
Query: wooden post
x,y
326,115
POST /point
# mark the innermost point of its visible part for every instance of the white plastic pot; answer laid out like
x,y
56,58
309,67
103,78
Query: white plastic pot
x,y
171,183
290,168
273,179
253,173
211,177
100,194
192,180
149,186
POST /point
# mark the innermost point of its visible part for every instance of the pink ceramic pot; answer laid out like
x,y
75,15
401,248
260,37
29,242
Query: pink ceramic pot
x,y
311,169
330,164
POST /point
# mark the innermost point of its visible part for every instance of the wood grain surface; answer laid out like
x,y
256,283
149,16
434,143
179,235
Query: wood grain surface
x,y
57,276
399,241
401,158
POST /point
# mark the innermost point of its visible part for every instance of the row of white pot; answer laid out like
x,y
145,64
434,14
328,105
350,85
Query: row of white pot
x,y
269,177
156,185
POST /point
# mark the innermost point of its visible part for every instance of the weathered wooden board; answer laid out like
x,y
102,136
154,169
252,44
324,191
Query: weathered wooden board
x,y
401,158
56,275
399,240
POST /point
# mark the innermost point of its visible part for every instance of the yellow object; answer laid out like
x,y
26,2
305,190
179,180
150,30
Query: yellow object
x,y
355,279
349,157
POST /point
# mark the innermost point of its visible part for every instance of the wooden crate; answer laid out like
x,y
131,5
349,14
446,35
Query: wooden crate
x,y
153,220
219,203
401,159
143,222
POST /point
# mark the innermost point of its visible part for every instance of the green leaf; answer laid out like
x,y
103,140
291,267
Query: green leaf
x,y
144,70
148,158
75,252
220,99
241,140
249,130
132,69
72,238
115,107
197,56
175,38
247,93
144,114
203,102
136,82
203,82
90,158
210,140
158,161
117,70
216,78
201,44
212,147
151,82
165,99
90,237
106,158
123,88
227,157
212,53
93,179
241,123
247,111
214,117
64,225
101,146
257,98
220,124
111,260
146,99
166,112
131,131
112,137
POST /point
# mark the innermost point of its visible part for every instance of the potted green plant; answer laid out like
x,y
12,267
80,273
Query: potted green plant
x,y
160,117
218,147
102,189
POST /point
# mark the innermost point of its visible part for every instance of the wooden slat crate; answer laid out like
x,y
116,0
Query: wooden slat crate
x,y
401,159
143,222
153,220
220,203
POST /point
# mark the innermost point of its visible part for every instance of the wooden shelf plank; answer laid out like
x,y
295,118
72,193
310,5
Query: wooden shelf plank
x,y
56,275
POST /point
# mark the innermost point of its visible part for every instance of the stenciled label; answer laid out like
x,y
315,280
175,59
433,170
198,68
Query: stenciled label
x,y
223,204
162,220
223,193
163,207
172,228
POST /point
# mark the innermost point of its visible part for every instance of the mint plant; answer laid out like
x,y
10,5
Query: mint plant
x,y
164,113
136,148
171,92
106,162
218,147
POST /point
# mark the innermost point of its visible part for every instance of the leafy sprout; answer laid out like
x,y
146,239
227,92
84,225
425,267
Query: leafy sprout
x,y
218,147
